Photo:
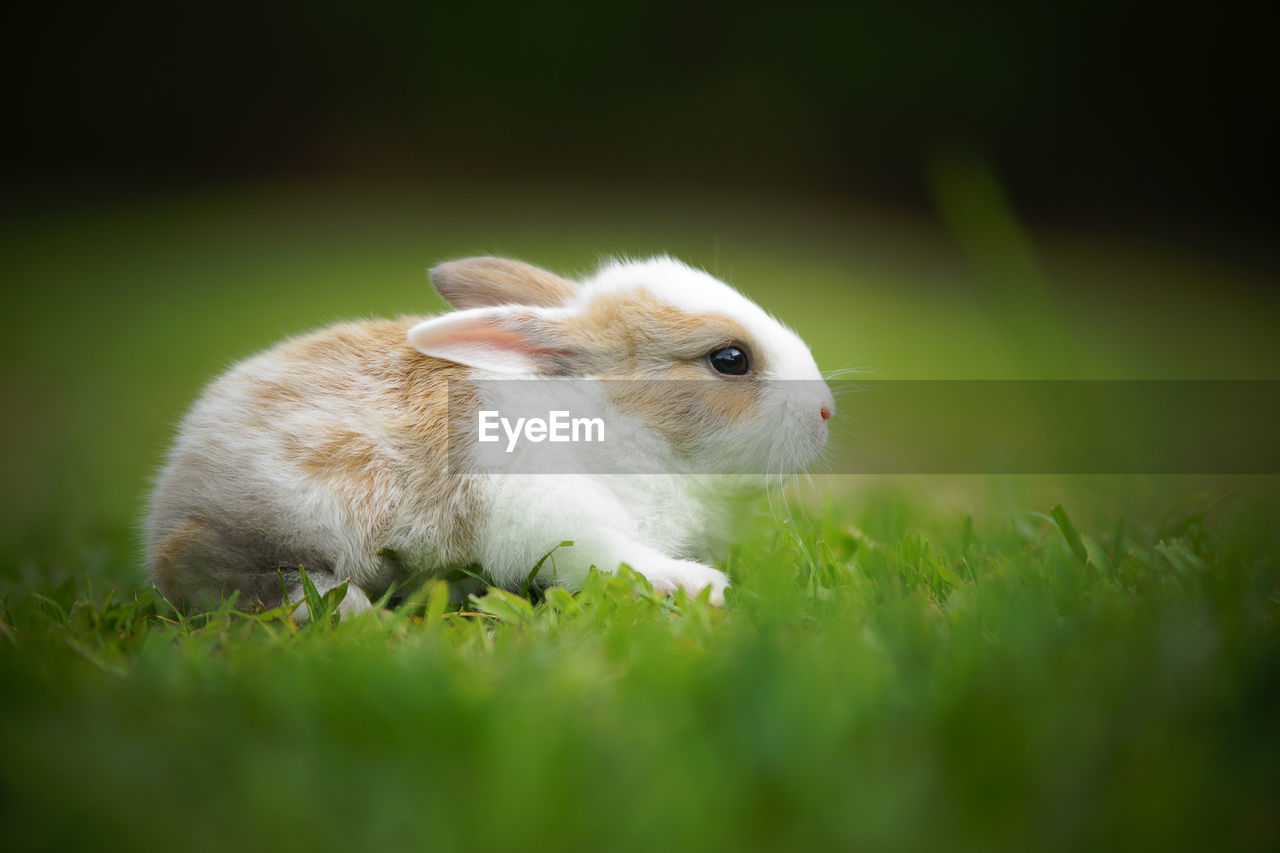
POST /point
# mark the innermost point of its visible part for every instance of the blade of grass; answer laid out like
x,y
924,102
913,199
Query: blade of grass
x,y
537,567
1069,533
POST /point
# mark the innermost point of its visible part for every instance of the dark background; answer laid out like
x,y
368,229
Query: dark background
x,y
1148,115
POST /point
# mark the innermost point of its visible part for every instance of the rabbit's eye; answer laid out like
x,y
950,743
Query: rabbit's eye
x,y
730,361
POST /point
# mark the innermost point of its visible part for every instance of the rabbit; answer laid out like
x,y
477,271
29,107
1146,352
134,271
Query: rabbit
x,y
345,451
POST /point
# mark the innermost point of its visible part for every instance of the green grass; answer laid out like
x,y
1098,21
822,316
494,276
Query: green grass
x,y
878,679
951,662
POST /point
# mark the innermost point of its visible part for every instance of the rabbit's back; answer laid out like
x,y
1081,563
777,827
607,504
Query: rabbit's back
x,y
327,451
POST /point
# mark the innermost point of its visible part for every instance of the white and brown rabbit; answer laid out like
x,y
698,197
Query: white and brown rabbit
x,y
334,450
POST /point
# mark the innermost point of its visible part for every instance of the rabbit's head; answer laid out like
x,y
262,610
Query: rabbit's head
x,y
727,387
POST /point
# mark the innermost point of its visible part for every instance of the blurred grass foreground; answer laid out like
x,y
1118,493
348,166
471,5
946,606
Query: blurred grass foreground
x,y
962,662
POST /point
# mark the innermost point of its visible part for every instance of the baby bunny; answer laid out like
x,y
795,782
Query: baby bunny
x,y
353,452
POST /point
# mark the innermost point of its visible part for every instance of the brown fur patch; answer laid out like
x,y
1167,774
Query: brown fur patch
x,y
686,411
407,397
481,282
269,395
172,553
635,336
340,453
437,404
344,343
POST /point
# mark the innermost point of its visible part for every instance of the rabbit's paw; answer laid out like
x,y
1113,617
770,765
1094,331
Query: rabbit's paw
x,y
667,575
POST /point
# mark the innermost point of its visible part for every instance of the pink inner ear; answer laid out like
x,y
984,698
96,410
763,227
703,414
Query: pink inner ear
x,y
501,338
497,336
503,343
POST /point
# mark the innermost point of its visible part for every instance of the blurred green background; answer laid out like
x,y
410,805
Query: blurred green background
x,y
128,308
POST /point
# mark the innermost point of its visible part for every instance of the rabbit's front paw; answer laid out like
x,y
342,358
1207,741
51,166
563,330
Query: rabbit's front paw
x,y
667,575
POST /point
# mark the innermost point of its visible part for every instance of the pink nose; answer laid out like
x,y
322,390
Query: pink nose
x,y
826,413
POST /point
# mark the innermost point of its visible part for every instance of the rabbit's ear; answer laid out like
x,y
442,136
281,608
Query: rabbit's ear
x,y
481,282
502,340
